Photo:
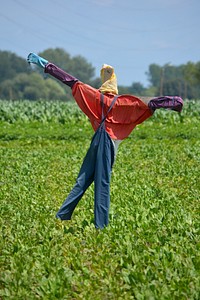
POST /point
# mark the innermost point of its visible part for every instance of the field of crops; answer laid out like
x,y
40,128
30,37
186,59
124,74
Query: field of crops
x,y
151,248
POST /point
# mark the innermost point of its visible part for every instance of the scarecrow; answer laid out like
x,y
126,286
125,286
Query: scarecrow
x,y
113,117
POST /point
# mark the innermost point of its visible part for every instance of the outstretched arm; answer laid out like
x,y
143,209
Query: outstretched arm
x,y
52,69
61,75
167,102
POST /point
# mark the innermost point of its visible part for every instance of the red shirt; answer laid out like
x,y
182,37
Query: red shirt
x,y
127,112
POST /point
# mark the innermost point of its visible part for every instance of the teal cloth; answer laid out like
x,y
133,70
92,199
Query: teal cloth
x,y
37,60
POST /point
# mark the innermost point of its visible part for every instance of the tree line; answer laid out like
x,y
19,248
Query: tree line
x,y
18,80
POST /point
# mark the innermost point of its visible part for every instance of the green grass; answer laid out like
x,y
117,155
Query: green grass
x,y
150,250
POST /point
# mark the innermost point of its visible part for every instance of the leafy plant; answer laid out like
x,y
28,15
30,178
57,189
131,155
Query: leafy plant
x,y
150,250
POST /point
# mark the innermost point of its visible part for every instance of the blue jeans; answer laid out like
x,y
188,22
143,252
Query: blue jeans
x,y
97,167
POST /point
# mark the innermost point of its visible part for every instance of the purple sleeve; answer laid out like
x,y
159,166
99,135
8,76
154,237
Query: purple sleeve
x,y
60,74
168,102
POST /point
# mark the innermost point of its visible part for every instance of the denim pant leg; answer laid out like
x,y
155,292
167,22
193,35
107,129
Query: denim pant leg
x,y
83,181
103,168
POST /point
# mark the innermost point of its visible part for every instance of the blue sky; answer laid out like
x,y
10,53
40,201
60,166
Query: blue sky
x,y
129,34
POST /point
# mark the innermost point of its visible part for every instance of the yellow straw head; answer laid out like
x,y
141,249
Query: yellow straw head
x,y
109,80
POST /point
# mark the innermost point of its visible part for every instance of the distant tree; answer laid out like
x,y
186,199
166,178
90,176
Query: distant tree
x,y
8,91
154,74
173,87
123,90
31,87
18,81
31,93
82,69
179,80
58,56
57,92
77,65
137,89
151,91
197,72
11,65
96,83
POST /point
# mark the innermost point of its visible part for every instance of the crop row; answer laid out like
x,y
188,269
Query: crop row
x,y
44,111
62,112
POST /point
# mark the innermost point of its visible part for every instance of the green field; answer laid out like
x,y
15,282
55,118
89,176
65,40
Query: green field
x,y
151,248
